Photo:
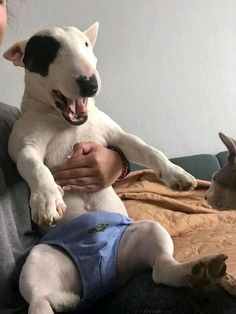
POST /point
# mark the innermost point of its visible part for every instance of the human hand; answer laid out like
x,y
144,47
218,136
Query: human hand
x,y
90,168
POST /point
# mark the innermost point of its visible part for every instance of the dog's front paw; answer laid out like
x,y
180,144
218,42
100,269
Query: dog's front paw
x,y
178,179
47,206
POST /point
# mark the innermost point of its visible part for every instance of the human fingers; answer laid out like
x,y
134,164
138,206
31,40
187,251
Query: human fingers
x,y
74,173
79,181
82,188
72,163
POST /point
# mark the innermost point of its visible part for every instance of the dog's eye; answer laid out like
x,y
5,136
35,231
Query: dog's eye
x,y
86,44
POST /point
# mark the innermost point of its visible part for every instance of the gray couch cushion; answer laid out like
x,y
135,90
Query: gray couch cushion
x,y
223,158
201,166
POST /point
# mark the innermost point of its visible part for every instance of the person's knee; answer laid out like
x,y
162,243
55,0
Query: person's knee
x,y
8,116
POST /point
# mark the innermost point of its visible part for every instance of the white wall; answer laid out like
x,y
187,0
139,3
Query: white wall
x,y
168,66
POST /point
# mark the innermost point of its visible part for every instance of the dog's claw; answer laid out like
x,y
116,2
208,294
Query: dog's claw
x,y
61,210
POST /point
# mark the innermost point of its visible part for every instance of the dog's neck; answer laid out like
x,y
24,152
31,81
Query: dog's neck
x,y
36,96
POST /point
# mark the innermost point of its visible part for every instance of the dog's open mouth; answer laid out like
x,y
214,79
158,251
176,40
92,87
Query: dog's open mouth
x,y
73,110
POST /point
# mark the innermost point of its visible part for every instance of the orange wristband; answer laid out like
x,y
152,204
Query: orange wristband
x,y
125,163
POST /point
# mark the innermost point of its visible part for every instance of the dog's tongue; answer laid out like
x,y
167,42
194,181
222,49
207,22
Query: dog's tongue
x,y
77,106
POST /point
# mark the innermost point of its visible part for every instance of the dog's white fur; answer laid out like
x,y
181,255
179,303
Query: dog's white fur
x,y
41,139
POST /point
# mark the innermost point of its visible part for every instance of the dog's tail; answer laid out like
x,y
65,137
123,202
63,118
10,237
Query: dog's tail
x,y
63,300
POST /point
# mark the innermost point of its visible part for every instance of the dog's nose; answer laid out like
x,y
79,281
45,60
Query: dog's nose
x,y
88,86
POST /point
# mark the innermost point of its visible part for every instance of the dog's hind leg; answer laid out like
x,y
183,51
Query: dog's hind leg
x,y
198,273
57,301
50,280
147,244
41,306
139,246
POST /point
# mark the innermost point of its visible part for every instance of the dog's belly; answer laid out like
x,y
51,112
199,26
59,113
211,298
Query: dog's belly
x,y
78,203
61,145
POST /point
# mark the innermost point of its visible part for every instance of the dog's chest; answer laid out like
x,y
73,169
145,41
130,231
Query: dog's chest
x,y
61,145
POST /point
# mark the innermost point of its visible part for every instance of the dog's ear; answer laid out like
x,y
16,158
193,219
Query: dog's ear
x,y
15,53
40,52
92,33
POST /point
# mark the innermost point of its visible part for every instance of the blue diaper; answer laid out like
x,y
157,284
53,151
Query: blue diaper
x,y
92,241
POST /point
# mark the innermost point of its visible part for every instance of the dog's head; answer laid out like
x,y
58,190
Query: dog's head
x,y
222,191
60,69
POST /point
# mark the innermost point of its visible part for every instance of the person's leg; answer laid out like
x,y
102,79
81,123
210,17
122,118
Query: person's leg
x,y
8,116
16,236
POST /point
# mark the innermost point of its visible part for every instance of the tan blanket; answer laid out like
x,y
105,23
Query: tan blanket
x,y
195,227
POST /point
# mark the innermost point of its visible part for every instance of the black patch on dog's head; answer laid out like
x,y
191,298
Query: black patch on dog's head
x,y
40,52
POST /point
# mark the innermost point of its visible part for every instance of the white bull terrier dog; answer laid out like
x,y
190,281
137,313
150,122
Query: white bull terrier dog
x,y
94,246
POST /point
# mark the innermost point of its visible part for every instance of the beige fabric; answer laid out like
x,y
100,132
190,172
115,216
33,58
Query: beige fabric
x,y
195,227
